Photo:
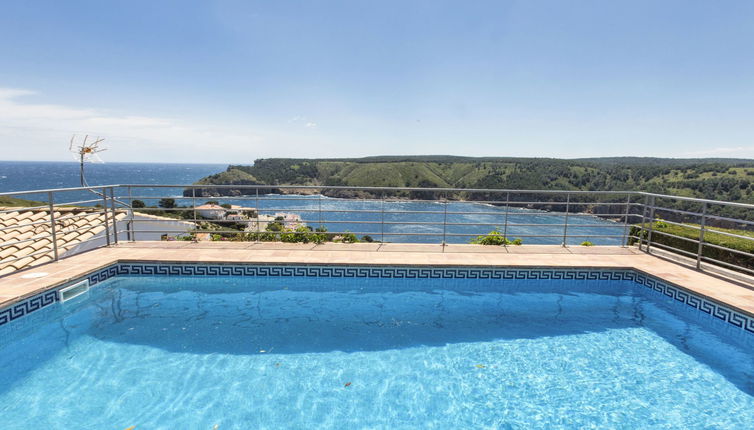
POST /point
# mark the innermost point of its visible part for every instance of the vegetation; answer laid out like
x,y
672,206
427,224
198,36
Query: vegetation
x,y
14,202
716,179
496,238
586,243
692,231
273,233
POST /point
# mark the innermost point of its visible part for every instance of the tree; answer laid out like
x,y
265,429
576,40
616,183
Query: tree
x,y
138,204
167,203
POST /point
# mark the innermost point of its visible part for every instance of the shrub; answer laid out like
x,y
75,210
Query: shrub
x,y
586,243
729,256
492,238
302,234
167,203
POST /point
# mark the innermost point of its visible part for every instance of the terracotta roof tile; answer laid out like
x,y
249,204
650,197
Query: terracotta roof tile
x,y
73,226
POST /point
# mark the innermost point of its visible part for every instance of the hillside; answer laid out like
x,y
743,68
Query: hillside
x,y
717,179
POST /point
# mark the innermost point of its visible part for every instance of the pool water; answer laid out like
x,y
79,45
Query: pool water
x,y
305,353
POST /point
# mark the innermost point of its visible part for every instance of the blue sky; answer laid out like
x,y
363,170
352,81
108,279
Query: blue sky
x,y
231,81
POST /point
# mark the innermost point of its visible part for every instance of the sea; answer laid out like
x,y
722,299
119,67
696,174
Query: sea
x,y
391,221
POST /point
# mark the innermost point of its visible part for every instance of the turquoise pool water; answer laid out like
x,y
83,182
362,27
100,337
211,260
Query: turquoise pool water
x,y
304,353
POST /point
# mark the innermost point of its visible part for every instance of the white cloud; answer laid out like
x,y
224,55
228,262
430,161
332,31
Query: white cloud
x,y
35,131
302,120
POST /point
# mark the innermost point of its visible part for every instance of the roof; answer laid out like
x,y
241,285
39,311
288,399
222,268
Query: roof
x,y
210,207
163,218
26,236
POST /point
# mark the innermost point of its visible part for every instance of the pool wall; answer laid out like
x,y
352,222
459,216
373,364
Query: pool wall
x,y
655,286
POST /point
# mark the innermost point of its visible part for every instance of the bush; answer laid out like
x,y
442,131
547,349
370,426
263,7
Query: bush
x,y
586,243
167,203
724,255
493,238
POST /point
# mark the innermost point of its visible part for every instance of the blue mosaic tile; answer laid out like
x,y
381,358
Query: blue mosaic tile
x,y
28,306
656,286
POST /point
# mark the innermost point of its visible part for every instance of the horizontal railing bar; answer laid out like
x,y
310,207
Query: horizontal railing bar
x,y
23,208
427,201
734,220
376,211
707,229
78,202
317,187
698,200
340,187
675,236
97,188
78,215
725,233
670,248
723,263
733,250
64,231
28,224
680,211
325,221
370,233
44,250
28,239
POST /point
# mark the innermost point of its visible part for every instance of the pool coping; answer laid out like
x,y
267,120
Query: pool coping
x,y
15,290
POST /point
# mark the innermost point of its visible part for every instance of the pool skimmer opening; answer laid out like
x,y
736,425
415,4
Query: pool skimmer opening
x,y
72,291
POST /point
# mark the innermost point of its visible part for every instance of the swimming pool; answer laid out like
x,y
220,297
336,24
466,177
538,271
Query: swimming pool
x,y
250,346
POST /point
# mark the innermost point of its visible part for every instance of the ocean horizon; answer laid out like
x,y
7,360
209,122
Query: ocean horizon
x,y
39,175
33,175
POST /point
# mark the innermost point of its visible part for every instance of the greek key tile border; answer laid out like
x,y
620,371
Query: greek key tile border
x,y
47,298
668,291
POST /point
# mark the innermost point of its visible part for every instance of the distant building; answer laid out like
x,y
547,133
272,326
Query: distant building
x,y
211,211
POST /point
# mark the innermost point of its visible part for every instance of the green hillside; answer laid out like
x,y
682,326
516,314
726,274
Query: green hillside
x,y
718,179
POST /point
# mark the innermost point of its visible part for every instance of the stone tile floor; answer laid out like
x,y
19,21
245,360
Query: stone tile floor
x,y
20,285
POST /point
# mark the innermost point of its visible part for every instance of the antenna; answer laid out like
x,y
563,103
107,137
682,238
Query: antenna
x,y
86,152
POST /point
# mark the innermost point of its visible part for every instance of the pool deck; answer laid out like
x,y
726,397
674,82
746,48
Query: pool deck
x,y
18,286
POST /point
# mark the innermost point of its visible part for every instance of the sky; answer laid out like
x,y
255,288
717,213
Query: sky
x,y
232,81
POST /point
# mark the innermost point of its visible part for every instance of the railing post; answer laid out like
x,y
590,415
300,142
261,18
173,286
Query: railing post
x,y
624,242
131,229
52,226
703,225
104,211
565,221
193,203
115,218
319,208
643,221
259,214
507,209
382,218
651,222
445,221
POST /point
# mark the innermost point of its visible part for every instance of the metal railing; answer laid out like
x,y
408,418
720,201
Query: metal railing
x,y
382,214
